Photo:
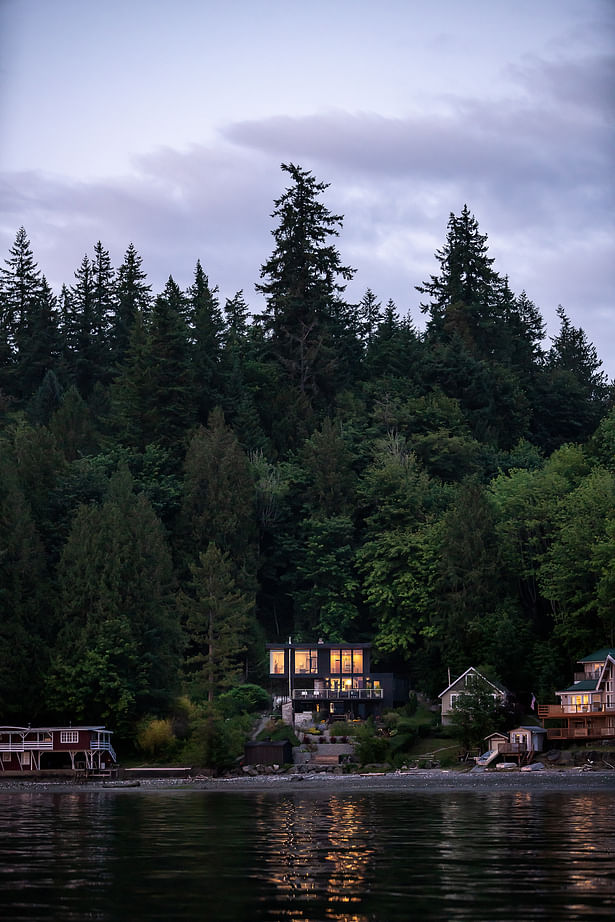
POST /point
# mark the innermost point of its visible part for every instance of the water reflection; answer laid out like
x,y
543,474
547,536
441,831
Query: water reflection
x,y
318,851
306,858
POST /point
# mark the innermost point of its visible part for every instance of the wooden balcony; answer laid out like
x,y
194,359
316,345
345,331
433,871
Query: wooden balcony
x,y
556,710
336,694
25,746
512,749
575,733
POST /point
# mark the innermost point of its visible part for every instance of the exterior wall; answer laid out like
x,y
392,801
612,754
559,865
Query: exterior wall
x,y
459,687
81,743
319,663
32,749
333,679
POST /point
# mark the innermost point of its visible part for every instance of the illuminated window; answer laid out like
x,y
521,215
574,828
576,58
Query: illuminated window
x,y
306,662
346,661
276,662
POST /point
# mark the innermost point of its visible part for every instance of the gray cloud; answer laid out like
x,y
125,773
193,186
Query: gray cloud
x,y
535,168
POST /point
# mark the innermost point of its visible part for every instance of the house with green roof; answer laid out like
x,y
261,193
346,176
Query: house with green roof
x,y
587,706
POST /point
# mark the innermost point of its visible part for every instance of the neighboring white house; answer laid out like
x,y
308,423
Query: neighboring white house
x,y
464,685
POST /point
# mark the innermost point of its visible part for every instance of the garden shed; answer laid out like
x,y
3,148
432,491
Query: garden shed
x,y
268,752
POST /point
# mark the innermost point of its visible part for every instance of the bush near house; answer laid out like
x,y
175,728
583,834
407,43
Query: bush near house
x,y
277,730
244,699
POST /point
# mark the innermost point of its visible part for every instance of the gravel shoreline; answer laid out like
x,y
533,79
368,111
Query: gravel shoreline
x,y
429,781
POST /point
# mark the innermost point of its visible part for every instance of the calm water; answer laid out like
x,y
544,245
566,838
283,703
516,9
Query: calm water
x,y
351,856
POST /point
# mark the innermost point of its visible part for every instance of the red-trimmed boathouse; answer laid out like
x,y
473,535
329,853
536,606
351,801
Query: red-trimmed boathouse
x,y
34,749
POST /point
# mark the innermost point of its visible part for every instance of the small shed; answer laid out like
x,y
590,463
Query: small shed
x,y
529,738
268,752
496,741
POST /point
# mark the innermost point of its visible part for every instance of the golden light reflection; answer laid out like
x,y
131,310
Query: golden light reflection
x,y
321,851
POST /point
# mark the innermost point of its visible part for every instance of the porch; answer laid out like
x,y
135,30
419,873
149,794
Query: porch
x,y
336,694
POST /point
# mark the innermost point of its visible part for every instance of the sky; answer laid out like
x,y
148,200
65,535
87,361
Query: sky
x,y
164,124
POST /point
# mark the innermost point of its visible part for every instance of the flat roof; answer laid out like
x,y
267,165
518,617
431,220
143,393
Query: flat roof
x,y
62,727
319,645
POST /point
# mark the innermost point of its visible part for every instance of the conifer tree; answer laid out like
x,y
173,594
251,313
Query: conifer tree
x,y
207,332
305,317
40,348
216,623
87,334
25,626
171,401
370,315
133,298
218,500
20,289
464,295
117,654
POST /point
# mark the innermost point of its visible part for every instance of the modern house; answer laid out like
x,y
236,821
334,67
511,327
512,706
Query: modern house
x,y
331,678
464,685
34,749
587,707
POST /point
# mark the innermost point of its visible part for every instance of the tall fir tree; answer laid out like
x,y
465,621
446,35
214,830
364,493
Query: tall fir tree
x,y
216,621
171,404
219,496
117,655
133,299
207,333
20,293
40,349
305,317
89,356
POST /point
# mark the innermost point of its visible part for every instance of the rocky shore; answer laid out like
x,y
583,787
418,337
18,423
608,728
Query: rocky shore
x,y
429,781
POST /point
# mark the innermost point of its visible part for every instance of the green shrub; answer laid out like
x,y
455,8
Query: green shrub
x,y
277,730
244,699
372,749
216,742
412,705
155,737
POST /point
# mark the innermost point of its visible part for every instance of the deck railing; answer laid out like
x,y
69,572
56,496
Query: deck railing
x,y
27,746
571,733
97,745
556,710
338,693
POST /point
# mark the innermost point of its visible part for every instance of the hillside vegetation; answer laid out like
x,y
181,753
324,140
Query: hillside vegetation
x,y
183,481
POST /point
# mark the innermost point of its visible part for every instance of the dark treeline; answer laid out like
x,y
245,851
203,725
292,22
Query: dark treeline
x,y
182,481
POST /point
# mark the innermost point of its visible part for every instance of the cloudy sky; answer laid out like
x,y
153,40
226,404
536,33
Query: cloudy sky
x,y
165,123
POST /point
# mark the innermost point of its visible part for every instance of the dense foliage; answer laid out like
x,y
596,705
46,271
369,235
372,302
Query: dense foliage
x,y
182,482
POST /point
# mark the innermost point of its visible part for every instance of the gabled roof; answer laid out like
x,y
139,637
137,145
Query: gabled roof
x,y
496,685
609,659
582,685
599,656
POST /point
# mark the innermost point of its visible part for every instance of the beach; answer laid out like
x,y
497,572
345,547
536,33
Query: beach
x,y
427,781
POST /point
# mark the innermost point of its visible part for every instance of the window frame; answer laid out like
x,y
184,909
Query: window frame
x,y
69,736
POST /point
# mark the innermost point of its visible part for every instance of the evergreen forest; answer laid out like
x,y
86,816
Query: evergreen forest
x,y
183,480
